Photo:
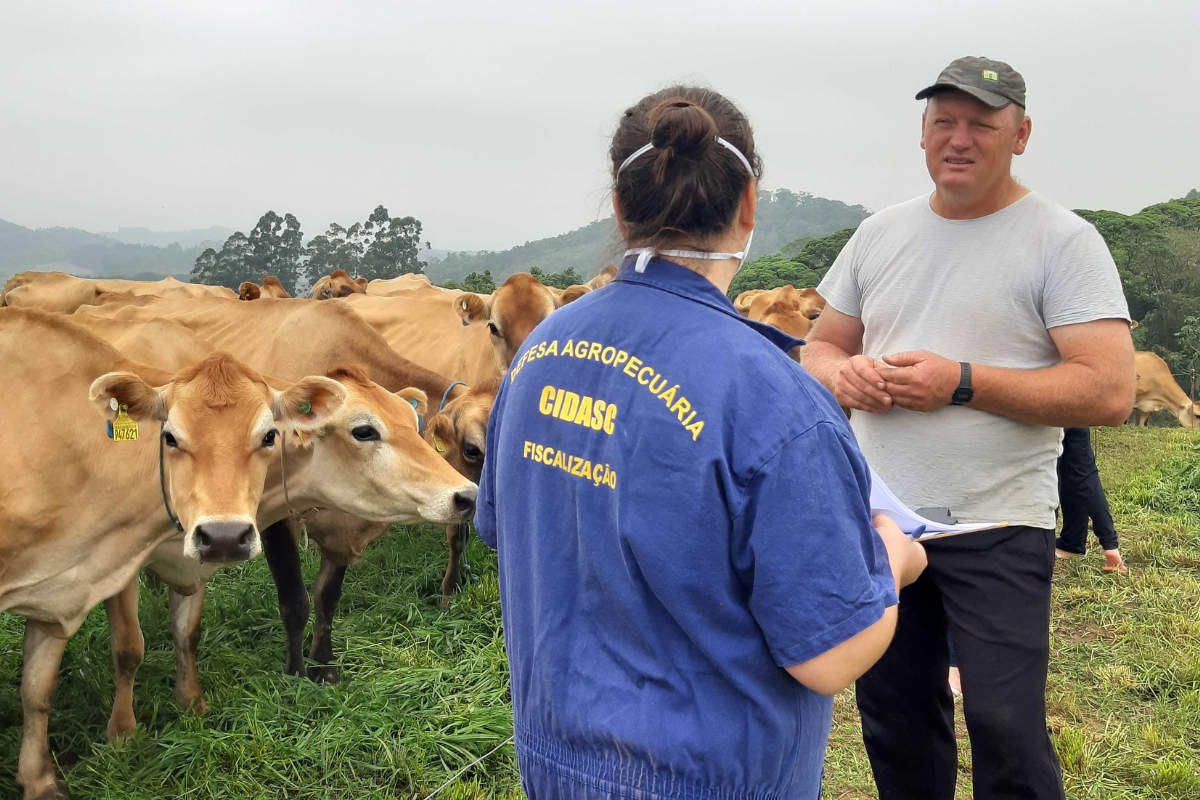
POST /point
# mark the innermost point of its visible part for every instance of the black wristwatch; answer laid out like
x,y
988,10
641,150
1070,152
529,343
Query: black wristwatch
x,y
963,394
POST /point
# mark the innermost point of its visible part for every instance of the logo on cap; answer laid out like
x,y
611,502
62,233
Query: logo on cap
x,y
988,75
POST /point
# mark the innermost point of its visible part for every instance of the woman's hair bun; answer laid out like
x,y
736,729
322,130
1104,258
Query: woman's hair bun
x,y
681,126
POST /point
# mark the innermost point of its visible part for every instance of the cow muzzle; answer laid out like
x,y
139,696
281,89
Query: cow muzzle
x,y
225,542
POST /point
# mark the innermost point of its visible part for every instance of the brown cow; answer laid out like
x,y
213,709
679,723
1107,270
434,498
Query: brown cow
x,y
57,291
1158,391
271,287
517,306
337,284
787,308
78,515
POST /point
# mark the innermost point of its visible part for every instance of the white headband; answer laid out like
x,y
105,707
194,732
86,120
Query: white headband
x,y
646,148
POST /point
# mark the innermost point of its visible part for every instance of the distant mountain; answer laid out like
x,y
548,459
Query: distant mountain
x,y
783,216
193,238
88,254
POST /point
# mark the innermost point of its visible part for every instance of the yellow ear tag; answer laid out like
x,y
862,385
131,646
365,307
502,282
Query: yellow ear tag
x,y
437,445
124,428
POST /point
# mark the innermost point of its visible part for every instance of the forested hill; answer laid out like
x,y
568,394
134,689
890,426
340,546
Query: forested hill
x,y
783,216
82,253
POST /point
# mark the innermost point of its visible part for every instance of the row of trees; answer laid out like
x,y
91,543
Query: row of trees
x,y
484,283
382,246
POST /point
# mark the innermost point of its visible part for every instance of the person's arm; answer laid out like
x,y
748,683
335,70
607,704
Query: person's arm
x,y
832,357
1094,384
835,669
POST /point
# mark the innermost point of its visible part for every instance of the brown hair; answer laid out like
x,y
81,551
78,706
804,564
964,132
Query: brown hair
x,y
689,186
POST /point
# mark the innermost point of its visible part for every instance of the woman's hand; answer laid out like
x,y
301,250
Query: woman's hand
x,y
905,554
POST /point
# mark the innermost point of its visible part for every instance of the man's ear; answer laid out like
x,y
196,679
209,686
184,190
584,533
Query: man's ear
x,y
472,308
309,403
415,398
144,403
249,291
1023,133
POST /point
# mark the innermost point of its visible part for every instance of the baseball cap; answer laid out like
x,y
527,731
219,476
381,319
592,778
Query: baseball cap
x,y
992,82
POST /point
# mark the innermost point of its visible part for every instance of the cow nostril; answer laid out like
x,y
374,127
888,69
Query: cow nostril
x,y
202,537
464,503
247,538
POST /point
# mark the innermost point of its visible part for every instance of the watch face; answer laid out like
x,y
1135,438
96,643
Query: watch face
x,y
962,396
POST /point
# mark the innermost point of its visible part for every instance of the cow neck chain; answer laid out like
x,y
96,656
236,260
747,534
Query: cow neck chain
x,y
162,478
293,515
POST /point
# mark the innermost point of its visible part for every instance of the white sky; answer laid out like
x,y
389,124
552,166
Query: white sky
x,y
490,121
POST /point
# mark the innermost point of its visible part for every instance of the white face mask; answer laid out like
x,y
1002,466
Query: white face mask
x,y
644,254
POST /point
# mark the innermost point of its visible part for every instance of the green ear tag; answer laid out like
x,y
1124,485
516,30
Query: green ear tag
x,y
305,408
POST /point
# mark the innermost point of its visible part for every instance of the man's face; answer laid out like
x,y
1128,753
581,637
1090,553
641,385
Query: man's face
x,y
969,145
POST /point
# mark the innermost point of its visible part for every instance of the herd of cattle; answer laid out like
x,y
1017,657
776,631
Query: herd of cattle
x,y
143,419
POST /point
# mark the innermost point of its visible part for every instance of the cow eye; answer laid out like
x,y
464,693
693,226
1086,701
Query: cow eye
x,y
493,329
269,438
169,439
471,452
814,314
365,433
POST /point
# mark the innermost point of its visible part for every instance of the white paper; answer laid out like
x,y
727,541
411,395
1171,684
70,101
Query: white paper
x,y
883,501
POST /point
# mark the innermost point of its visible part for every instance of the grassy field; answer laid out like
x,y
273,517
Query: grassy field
x,y
424,691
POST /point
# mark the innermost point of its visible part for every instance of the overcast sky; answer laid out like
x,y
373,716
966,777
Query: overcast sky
x,y
490,121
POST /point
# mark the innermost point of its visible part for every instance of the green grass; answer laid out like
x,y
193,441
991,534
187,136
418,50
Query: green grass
x,y
424,691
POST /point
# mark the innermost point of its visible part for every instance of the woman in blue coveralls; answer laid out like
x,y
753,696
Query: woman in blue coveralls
x,y
688,567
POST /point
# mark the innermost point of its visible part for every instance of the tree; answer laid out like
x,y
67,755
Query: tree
x,y
560,280
804,269
1187,360
225,268
382,246
276,248
392,247
272,248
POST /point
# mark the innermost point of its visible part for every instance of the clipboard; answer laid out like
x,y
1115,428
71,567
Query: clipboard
x,y
884,501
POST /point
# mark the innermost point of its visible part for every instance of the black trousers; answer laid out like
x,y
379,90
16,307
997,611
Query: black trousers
x,y
1081,495
991,591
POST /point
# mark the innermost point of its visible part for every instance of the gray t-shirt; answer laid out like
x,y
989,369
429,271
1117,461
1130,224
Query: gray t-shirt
x,y
985,291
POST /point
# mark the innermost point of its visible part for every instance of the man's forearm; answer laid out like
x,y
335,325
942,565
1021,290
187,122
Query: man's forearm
x,y
822,360
1062,396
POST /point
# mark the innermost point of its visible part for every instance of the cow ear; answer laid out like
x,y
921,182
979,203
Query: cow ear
x,y
743,300
472,308
143,402
415,398
249,291
603,279
573,293
362,283
439,429
309,403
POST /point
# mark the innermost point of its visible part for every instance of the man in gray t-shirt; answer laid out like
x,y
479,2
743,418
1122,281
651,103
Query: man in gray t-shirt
x,y
966,328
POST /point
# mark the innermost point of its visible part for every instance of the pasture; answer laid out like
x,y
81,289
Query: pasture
x,y
424,691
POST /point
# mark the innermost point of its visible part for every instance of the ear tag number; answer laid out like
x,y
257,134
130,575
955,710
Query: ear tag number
x,y
124,429
437,445
305,408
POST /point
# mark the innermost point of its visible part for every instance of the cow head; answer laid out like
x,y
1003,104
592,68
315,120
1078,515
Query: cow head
x,y
459,431
518,306
369,460
337,284
249,291
220,427
787,308
273,287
